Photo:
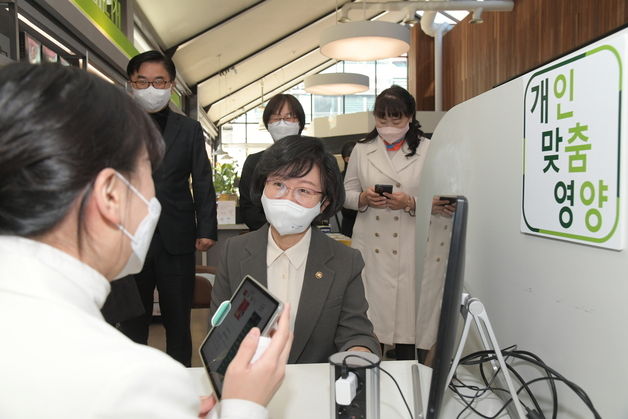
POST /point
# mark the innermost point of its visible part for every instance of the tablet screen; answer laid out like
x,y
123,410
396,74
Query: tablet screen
x,y
251,306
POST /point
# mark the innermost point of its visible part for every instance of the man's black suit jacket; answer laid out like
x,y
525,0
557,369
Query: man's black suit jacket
x,y
183,218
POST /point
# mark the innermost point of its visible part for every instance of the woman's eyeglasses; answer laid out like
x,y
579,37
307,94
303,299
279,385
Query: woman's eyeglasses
x,y
276,189
289,117
157,84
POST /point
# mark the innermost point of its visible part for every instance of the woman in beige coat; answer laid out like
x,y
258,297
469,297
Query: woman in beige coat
x,y
384,232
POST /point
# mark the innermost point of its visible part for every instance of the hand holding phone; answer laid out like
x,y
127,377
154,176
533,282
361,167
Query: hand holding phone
x,y
258,381
251,306
380,189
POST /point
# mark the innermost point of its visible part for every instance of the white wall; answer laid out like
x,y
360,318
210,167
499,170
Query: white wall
x,y
565,302
359,122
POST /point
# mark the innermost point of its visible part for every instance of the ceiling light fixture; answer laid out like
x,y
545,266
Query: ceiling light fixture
x,y
365,41
336,84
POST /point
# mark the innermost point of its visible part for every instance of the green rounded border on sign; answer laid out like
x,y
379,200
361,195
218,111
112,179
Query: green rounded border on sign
x,y
601,48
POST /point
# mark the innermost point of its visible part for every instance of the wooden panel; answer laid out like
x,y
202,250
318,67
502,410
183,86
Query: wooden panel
x,y
507,44
421,69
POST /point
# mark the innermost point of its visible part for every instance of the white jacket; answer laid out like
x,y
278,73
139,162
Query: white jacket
x,y
60,359
386,237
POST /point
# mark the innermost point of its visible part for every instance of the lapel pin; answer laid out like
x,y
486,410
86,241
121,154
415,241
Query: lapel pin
x,y
318,275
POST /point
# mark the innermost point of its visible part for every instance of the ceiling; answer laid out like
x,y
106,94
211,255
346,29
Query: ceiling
x,y
238,53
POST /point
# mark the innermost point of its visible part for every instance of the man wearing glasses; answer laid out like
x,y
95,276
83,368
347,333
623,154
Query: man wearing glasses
x,y
188,220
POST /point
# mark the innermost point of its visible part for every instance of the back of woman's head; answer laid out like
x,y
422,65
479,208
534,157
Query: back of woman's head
x,y
396,102
59,127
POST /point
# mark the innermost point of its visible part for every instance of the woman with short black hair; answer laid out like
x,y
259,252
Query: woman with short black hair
x,y
297,182
283,116
77,211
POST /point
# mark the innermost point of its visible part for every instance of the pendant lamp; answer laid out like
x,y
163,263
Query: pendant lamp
x,y
365,41
336,84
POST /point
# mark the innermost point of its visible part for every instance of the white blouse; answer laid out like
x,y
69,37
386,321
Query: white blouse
x,y
60,359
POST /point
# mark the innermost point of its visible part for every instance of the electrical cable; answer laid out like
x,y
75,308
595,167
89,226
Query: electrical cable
x,y
490,356
345,367
481,357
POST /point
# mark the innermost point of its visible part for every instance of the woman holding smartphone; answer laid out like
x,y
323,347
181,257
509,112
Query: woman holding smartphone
x,y
382,183
77,211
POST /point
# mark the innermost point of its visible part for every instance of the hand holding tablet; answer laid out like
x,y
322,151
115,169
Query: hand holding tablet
x,y
237,343
258,381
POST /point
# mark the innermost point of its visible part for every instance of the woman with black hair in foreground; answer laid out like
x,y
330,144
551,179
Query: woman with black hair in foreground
x,y
78,210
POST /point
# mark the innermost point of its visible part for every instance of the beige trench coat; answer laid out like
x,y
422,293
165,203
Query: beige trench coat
x,y
386,237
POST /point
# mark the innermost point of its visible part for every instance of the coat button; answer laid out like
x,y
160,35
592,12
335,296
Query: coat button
x,y
396,218
394,252
395,234
398,185
377,217
376,250
376,234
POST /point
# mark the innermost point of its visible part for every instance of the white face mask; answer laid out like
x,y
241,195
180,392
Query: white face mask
x,y
288,217
392,134
281,129
151,99
140,241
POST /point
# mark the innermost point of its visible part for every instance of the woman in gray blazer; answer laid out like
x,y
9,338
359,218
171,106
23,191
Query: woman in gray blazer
x,y
299,183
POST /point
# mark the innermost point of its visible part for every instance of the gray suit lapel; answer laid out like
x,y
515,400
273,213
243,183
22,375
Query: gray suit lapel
x,y
254,257
316,284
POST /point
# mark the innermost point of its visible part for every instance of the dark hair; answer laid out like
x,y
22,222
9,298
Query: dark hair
x,y
151,57
59,127
293,157
347,148
396,102
275,104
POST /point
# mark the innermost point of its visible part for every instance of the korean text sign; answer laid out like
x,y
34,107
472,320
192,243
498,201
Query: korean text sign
x,y
572,148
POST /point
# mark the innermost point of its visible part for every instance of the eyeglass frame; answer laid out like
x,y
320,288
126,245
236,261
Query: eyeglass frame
x,y
167,84
291,117
296,194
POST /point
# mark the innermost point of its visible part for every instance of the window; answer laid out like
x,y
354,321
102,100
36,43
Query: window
x,y
246,134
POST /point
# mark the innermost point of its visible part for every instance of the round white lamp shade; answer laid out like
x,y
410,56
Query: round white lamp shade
x,y
336,84
365,41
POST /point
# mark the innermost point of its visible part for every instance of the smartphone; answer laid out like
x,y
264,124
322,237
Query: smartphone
x,y
252,305
450,199
380,189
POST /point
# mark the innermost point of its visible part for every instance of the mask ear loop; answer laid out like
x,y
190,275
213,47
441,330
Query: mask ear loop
x,y
131,187
136,192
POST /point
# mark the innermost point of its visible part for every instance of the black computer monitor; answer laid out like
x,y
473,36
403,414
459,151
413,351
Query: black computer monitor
x,y
453,215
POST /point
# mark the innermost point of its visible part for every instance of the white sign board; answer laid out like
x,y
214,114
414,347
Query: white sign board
x,y
572,146
226,212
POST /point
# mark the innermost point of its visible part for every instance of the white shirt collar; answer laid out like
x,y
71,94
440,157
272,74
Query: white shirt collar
x,y
43,271
297,254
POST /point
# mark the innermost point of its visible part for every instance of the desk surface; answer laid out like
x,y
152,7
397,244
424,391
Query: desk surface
x,y
305,393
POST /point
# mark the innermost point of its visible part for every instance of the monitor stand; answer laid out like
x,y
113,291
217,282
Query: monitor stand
x,y
472,308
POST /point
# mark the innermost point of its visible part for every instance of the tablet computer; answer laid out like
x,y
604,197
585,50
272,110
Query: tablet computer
x,y
252,305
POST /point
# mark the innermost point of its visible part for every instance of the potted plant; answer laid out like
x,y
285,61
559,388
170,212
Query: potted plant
x,y
225,176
